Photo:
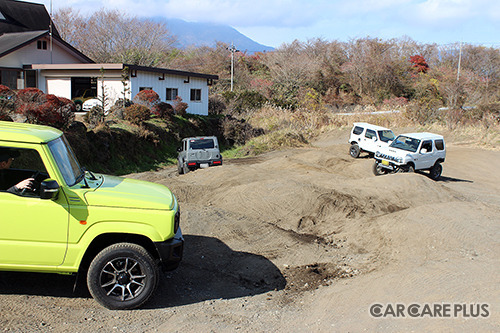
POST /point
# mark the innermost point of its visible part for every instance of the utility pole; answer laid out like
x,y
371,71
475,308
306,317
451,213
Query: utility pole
x,y
459,62
50,32
232,49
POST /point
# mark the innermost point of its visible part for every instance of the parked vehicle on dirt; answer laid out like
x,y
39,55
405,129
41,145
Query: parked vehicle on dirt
x,y
368,138
198,152
411,152
117,232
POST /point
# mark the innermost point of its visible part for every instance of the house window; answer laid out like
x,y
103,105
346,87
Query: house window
x,y
196,95
172,93
9,78
41,44
30,79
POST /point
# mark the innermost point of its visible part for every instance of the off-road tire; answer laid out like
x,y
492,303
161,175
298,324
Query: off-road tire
x,y
185,168
78,106
406,168
435,171
354,150
180,170
122,276
378,170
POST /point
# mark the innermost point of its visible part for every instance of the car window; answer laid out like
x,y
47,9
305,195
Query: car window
x,y
357,130
370,134
65,160
405,143
201,144
439,144
427,145
386,135
27,163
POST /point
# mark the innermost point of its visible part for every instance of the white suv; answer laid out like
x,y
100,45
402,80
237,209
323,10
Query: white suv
x,y
410,152
368,138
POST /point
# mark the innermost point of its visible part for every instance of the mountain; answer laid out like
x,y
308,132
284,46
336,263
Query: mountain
x,y
208,34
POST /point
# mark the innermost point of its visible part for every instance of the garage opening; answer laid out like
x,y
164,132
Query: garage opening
x,y
82,89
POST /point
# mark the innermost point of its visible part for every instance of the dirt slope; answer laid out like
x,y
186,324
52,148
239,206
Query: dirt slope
x,y
304,240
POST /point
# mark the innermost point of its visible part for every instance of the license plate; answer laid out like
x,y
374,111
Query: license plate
x,y
203,165
385,163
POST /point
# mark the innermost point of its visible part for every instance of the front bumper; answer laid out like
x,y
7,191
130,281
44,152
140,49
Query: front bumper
x,y
170,251
387,164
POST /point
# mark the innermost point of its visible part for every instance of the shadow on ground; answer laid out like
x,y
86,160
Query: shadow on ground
x,y
209,270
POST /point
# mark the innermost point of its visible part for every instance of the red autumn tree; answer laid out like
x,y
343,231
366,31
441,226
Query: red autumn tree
x,y
419,64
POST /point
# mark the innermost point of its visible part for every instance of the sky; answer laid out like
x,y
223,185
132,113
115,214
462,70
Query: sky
x,y
274,22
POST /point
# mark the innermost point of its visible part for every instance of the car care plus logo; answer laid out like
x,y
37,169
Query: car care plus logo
x,y
430,310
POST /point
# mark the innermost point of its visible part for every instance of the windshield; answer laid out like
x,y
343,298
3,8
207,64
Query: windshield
x,y
65,160
201,144
386,135
405,143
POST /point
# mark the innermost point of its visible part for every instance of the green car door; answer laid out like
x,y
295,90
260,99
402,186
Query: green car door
x,y
33,231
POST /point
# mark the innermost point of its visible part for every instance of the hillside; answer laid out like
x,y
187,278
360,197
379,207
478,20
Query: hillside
x,y
208,34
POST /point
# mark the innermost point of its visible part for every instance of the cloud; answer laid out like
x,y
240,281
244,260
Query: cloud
x,y
278,13
286,20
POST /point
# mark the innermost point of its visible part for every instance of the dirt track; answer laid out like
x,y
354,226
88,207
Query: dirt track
x,y
304,240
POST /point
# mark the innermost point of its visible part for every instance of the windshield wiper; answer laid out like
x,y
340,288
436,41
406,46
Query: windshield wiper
x,y
82,176
92,177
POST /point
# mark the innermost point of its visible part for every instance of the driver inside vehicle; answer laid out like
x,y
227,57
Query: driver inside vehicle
x,y
7,156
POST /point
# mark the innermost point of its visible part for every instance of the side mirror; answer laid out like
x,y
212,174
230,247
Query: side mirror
x,y
423,151
49,189
179,149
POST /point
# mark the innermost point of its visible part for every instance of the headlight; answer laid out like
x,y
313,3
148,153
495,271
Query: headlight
x,y
377,154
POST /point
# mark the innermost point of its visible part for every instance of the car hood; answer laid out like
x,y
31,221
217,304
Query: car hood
x,y
130,193
392,152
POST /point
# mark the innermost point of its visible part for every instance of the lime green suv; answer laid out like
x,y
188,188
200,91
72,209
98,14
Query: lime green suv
x,y
57,217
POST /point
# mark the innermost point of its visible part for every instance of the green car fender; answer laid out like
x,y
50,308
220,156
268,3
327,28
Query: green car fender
x,y
98,230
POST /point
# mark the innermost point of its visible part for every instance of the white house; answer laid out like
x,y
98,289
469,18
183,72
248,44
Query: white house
x,y
32,54
74,80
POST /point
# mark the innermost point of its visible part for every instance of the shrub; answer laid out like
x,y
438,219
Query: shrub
x,y
29,95
137,114
123,103
95,116
180,107
238,131
7,102
42,109
148,98
216,105
163,110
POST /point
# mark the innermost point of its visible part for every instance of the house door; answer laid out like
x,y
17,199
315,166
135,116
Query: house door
x,y
59,87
